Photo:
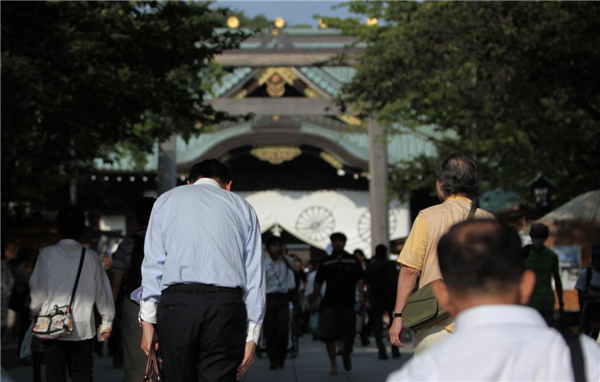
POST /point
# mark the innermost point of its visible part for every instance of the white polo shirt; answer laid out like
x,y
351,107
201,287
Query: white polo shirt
x,y
500,343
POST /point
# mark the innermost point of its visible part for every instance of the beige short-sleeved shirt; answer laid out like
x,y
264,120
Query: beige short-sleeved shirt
x,y
415,247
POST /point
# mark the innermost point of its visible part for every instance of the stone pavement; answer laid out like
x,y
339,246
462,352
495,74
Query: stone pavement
x,y
310,365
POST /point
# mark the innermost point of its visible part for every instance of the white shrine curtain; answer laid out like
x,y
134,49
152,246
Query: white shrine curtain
x,y
312,216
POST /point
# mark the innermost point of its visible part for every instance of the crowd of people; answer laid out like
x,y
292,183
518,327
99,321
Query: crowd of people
x,y
193,284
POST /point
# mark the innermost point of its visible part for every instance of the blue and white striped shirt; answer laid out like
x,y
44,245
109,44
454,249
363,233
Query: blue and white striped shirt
x,y
202,233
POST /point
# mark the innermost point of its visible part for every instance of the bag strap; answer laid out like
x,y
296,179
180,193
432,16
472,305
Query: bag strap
x,y
577,361
473,209
152,365
588,279
77,280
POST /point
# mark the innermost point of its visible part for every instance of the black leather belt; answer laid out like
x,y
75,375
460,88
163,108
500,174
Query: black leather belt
x,y
198,288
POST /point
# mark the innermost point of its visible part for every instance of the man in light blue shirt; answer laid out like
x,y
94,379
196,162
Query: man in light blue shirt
x,y
203,282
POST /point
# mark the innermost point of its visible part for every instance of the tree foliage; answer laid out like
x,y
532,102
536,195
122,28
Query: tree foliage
x,y
80,79
516,83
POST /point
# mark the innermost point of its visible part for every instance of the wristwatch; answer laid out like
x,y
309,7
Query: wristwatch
x,y
396,315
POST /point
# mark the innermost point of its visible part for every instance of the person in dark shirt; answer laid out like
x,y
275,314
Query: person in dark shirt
x,y
545,264
381,279
364,315
342,272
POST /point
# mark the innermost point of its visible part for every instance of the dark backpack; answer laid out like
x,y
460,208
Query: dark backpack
x,y
134,277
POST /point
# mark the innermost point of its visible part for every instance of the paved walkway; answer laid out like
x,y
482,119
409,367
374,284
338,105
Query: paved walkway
x,y
311,365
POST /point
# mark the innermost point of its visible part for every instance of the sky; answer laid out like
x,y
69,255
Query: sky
x,y
293,12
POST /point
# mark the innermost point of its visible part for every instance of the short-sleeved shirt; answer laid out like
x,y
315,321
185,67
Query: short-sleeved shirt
x,y
341,276
541,263
415,246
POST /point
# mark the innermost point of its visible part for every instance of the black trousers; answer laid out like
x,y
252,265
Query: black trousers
x,y
276,324
201,332
377,319
74,356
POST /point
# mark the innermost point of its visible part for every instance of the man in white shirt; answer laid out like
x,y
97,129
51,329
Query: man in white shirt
x,y
51,285
496,338
279,276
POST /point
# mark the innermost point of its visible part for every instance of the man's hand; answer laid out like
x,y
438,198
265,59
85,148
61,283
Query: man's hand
x,y
106,334
396,331
248,359
148,335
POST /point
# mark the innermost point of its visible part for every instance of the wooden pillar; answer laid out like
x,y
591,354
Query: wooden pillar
x,y
167,165
378,184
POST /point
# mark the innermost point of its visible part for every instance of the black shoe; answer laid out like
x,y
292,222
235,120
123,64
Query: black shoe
x,y
396,355
273,367
383,356
365,343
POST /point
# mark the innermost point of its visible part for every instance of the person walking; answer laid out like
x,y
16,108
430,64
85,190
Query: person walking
x,y
485,286
381,279
588,292
51,285
203,283
544,263
457,187
342,272
126,278
363,315
279,273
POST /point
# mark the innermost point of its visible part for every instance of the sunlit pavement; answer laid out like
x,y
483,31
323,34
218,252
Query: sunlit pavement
x,y
310,365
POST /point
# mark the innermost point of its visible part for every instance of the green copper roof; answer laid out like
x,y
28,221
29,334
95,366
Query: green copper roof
x,y
342,74
403,146
229,80
498,200
320,79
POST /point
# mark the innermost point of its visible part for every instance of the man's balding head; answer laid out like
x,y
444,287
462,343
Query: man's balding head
x,y
458,175
481,257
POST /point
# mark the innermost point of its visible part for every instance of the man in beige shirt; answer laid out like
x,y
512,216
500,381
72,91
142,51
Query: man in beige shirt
x,y
457,185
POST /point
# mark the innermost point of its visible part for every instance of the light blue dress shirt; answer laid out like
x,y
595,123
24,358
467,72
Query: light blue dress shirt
x,y
202,233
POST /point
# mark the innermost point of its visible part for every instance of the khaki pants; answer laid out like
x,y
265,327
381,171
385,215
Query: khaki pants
x,y
133,356
426,338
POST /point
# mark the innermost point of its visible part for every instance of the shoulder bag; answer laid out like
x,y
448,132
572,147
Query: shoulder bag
x,y
59,322
422,309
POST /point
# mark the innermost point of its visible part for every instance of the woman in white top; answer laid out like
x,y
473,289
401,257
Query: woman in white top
x,y
51,285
